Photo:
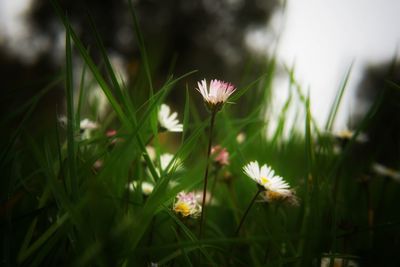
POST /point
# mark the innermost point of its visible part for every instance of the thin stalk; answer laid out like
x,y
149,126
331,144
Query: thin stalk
x,y
214,184
234,199
213,113
247,212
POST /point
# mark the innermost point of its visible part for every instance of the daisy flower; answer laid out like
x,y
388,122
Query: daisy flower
x,y
186,205
86,127
241,137
288,197
146,187
275,186
347,134
168,120
165,161
216,94
98,101
210,200
151,152
87,124
386,171
339,261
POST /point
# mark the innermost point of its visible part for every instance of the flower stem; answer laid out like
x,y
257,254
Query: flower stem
x,y
214,183
246,212
214,112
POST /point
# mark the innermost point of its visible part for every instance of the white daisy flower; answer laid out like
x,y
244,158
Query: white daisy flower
x,y
87,124
210,200
386,171
187,205
241,137
86,127
338,261
146,187
168,120
99,101
265,177
63,120
347,134
288,196
165,161
151,152
216,94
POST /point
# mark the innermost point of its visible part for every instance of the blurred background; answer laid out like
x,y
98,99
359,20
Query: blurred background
x,y
224,39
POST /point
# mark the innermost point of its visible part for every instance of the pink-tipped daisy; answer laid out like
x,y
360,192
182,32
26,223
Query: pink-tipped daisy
x,y
186,205
216,94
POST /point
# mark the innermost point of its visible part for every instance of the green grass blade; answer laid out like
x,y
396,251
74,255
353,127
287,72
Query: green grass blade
x,y
43,238
191,236
186,114
81,94
109,68
71,123
336,103
92,66
142,47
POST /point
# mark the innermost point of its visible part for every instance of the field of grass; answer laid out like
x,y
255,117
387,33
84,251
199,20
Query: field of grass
x,y
104,192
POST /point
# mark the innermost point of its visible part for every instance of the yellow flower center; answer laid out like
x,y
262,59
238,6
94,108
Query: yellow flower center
x,y
264,180
182,208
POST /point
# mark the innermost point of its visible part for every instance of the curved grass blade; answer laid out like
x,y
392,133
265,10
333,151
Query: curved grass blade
x,y
336,103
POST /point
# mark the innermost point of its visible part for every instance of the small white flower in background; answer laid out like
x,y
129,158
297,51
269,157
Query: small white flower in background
x,y
347,134
216,94
277,188
386,171
98,101
210,200
240,138
151,152
63,120
186,205
338,262
146,187
98,164
165,161
168,120
87,126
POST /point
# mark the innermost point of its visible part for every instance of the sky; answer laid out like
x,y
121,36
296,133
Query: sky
x,y
323,38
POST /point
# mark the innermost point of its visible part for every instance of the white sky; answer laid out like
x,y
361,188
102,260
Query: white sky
x,y
323,37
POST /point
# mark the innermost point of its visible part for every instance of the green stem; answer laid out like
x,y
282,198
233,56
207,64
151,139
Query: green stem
x,y
214,112
214,184
247,212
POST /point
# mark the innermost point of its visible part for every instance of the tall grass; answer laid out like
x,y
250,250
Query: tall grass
x,y
67,200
